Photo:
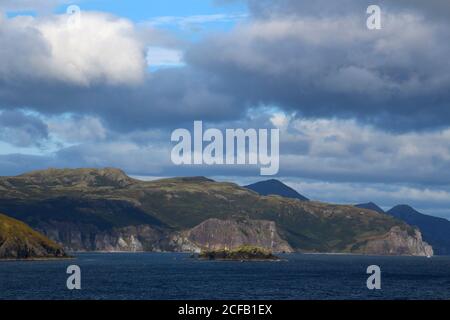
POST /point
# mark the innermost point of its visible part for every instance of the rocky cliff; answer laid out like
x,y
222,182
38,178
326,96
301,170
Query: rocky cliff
x,y
104,210
85,237
435,230
215,234
398,242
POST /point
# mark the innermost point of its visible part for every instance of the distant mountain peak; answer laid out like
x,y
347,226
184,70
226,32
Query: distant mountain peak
x,y
370,206
275,187
404,208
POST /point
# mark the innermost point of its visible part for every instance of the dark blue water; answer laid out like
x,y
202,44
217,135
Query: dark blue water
x,y
177,276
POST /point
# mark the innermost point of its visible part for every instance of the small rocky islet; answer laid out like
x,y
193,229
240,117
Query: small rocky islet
x,y
243,253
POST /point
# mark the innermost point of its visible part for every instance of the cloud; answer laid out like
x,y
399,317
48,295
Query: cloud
x,y
167,98
14,164
348,151
77,129
270,8
317,66
53,70
52,48
164,57
323,149
427,200
333,66
30,5
22,130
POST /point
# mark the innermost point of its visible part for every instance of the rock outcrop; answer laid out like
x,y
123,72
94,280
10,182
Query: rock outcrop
x,y
398,242
85,237
435,230
215,234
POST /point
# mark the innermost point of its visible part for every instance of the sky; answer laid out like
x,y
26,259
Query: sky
x,y
364,115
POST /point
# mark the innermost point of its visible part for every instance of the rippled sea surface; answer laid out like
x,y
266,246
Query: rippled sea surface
x,y
177,276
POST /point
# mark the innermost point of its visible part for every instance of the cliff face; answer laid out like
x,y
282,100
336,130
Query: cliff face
x,y
435,230
19,241
214,234
85,237
398,242
104,210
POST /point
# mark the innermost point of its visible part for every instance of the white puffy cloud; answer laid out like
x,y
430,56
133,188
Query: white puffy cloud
x,y
97,48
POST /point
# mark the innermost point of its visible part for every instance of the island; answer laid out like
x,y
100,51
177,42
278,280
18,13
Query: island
x,y
243,253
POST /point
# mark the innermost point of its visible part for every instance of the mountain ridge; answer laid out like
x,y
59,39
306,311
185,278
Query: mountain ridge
x,y
87,210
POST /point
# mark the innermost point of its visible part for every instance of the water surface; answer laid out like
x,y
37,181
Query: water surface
x,y
177,276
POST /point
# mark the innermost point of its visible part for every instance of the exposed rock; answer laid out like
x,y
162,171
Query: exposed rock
x,y
79,237
179,243
131,239
435,230
398,242
215,234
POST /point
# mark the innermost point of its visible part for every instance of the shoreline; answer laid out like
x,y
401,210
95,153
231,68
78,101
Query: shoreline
x,y
74,257
38,259
279,253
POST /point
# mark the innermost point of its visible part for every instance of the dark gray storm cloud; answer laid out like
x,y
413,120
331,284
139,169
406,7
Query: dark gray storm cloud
x,y
319,59
167,98
326,8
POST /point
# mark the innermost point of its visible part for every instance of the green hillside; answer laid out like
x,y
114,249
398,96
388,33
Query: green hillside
x,y
19,241
91,201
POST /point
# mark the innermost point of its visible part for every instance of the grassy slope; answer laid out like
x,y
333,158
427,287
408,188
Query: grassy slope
x,y
310,226
19,241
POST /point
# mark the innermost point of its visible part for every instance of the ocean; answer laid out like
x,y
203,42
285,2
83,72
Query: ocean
x,y
155,276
